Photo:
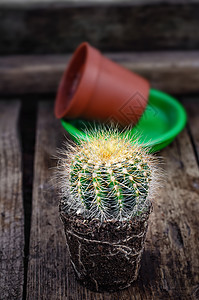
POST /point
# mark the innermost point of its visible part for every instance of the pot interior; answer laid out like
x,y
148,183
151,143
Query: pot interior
x,y
71,80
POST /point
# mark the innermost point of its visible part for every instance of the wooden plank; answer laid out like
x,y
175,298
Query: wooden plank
x,y
173,72
172,243
11,204
170,264
50,274
129,26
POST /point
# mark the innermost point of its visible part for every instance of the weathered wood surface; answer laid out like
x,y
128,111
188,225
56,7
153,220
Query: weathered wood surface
x,y
47,264
170,264
11,204
173,72
50,275
59,26
172,242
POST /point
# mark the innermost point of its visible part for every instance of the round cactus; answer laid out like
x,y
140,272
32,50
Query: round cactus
x,y
108,176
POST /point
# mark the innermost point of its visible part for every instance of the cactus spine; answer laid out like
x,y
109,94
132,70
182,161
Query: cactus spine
x,y
109,176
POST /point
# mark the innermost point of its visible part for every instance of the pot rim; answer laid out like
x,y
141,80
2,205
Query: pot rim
x,y
89,59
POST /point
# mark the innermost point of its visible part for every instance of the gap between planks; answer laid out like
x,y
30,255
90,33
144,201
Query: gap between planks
x,y
27,132
170,264
191,104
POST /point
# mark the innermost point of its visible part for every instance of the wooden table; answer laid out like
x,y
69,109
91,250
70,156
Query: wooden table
x,y
34,262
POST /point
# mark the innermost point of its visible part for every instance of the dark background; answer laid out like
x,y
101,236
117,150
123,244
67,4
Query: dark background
x,y
155,38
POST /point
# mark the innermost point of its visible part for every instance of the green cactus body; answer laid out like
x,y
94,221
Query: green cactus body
x,y
109,176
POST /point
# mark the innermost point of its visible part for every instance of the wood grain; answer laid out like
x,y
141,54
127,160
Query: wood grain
x,y
172,243
172,72
170,264
50,27
49,274
11,204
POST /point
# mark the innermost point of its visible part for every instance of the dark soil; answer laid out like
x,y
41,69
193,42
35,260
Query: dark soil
x,y
105,255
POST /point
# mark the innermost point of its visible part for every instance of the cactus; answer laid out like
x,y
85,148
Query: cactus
x,y
108,176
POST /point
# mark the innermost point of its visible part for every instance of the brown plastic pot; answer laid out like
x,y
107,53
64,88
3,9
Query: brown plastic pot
x,y
95,88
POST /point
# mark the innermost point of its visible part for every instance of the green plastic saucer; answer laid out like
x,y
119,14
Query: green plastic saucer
x,y
162,121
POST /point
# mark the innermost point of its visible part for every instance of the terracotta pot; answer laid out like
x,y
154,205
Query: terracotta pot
x,y
95,88
105,256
